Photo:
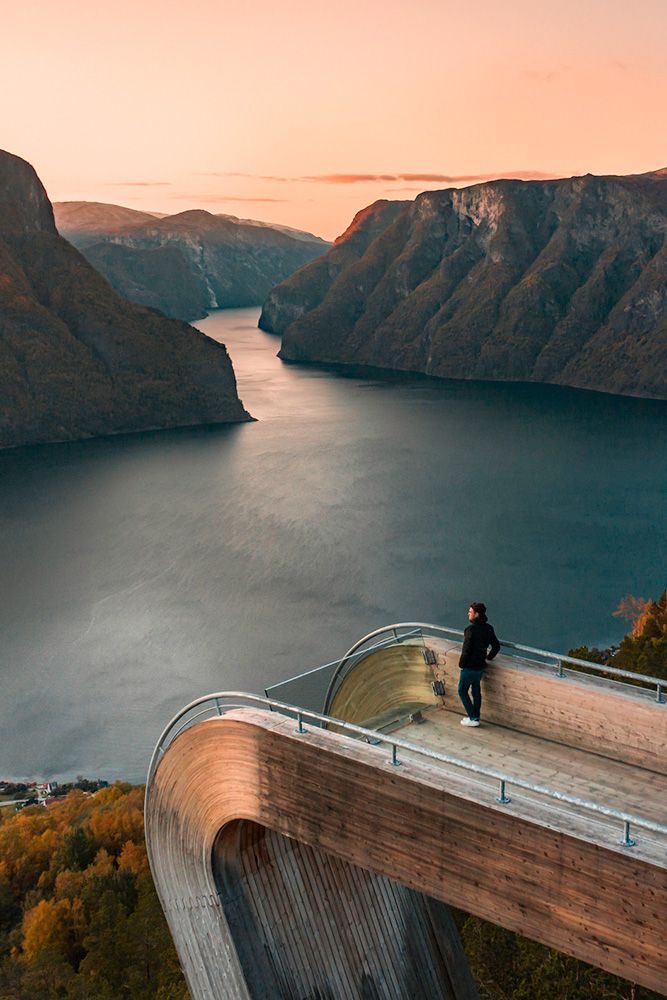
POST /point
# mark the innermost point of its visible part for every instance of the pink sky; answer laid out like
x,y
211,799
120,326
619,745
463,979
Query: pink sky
x,y
303,113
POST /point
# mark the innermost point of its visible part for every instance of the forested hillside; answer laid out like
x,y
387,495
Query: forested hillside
x,y
79,916
76,359
80,919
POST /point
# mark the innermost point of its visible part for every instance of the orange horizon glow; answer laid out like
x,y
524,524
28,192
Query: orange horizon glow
x,y
304,113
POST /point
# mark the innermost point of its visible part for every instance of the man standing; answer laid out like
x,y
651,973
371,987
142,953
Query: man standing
x,y
477,639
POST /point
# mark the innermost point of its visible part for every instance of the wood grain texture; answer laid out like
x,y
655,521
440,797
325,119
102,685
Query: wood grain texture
x,y
308,924
385,687
566,885
564,769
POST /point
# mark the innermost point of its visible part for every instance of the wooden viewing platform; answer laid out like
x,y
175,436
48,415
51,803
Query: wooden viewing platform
x,y
306,864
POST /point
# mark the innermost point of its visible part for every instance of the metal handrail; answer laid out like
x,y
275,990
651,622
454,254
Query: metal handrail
x,y
558,658
172,730
337,661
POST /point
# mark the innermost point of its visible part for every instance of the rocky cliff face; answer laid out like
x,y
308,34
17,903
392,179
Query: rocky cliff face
x,y
188,263
554,281
76,360
307,287
23,200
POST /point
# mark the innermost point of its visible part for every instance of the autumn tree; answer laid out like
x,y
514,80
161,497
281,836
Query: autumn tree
x,y
79,916
645,650
635,610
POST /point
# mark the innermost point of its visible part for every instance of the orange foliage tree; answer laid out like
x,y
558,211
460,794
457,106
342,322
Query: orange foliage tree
x,y
79,915
635,610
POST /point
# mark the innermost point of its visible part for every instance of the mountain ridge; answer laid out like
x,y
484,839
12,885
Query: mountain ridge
x,y
561,281
307,287
188,262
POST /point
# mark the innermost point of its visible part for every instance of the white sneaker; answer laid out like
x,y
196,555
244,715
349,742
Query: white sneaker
x,y
465,721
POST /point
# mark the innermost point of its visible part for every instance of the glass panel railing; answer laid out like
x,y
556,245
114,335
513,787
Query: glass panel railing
x,y
312,689
307,690
315,689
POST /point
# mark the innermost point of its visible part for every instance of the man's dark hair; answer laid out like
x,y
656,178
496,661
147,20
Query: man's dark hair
x,y
478,607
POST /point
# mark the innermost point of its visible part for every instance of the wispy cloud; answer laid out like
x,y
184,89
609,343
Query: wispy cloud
x,y
348,178
217,199
256,177
519,175
425,178
138,184
524,175
383,178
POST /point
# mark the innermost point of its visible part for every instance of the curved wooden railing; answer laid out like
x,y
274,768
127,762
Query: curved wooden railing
x,y
218,704
402,631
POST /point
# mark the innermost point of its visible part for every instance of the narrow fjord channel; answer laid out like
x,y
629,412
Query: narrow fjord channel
x,y
139,572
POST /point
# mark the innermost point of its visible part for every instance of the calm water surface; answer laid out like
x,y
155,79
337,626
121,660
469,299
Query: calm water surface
x,y
140,572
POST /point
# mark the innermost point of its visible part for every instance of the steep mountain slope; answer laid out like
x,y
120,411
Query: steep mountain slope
x,y
187,263
160,278
76,360
307,287
297,234
556,281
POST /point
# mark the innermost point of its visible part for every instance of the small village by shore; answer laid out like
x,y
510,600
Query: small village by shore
x,y
21,794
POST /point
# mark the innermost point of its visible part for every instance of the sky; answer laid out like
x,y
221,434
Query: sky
x,y
304,113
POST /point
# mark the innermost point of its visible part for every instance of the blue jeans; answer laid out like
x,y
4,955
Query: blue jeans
x,y
471,680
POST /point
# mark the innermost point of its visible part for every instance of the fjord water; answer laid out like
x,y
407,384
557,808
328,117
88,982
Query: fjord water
x,y
139,572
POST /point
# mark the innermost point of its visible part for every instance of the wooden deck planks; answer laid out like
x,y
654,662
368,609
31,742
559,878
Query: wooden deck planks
x,y
335,820
564,769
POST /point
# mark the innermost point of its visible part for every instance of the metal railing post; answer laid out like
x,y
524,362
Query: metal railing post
x,y
626,835
231,700
658,695
502,797
552,659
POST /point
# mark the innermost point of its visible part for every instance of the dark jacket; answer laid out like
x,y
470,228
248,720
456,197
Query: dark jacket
x,y
477,638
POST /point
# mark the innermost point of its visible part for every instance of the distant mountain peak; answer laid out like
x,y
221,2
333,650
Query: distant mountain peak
x,y
93,217
297,234
187,262
369,217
